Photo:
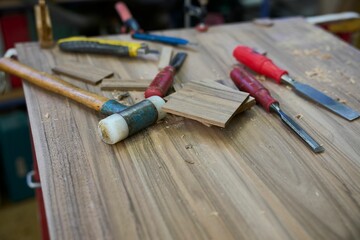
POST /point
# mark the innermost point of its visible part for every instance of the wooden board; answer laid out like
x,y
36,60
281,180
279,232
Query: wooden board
x,y
125,85
85,72
182,180
207,102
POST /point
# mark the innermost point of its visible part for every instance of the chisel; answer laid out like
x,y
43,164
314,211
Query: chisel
x,y
246,82
104,46
164,79
265,66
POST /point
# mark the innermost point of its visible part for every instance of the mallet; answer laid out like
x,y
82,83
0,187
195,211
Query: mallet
x,y
124,120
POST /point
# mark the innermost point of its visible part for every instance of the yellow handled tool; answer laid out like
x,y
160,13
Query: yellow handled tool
x,y
104,46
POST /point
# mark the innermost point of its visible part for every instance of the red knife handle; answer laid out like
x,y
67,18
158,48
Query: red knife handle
x,y
258,63
161,83
246,82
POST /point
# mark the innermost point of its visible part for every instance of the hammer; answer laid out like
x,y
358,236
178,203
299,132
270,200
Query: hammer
x,y
123,120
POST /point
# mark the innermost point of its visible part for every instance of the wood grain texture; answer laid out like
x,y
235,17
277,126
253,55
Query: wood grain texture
x,y
125,85
207,102
182,180
84,72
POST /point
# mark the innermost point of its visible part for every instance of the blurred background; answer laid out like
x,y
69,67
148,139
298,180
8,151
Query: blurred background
x,y
20,216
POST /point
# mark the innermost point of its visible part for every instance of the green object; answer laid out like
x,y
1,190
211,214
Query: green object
x,y
15,154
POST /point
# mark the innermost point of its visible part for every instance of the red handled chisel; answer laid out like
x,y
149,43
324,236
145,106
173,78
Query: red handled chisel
x,y
164,79
265,66
246,82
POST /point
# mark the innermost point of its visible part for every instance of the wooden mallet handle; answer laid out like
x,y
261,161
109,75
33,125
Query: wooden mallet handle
x,y
52,83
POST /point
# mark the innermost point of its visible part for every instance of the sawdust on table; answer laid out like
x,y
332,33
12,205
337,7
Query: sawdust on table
x,y
312,52
319,74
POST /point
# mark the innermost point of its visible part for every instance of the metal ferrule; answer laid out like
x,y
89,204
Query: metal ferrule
x,y
111,107
286,79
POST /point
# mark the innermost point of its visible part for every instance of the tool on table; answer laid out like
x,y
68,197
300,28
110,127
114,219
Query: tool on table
x,y
265,66
43,25
162,39
164,79
130,23
104,46
124,120
246,82
137,33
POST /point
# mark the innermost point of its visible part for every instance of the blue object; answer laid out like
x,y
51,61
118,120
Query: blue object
x,y
161,39
111,107
265,9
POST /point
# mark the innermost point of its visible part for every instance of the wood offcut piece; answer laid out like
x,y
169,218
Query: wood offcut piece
x,y
83,72
207,102
125,85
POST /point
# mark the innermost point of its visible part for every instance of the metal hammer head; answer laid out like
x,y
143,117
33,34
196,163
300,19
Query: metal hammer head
x,y
119,126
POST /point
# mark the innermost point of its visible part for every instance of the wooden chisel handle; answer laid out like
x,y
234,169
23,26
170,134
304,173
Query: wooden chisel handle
x,y
52,83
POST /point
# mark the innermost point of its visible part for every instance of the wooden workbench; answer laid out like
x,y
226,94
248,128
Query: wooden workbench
x,y
182,180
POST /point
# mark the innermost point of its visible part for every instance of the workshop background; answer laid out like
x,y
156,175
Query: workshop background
x,y
19,213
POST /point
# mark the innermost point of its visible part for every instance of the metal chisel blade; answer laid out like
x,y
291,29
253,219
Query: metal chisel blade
x,y
322,99
327,102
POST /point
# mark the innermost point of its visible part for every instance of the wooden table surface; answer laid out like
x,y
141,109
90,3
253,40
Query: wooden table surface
x,y
252,180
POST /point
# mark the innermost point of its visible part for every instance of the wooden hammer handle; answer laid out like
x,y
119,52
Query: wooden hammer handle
x,y
52,83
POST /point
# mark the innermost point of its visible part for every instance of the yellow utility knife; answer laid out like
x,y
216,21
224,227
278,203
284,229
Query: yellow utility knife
x,y
104,46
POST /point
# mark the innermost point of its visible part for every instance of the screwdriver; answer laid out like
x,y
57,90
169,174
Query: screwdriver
x,y
246,82
126,17
265,66
137,33
164,79
104,46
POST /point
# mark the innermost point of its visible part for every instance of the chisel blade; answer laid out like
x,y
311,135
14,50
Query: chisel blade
x,y
323,100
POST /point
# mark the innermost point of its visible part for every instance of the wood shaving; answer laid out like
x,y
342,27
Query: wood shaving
x,y
214,213
189,146
264,22
341,100
189,161
123,95
326,56
297,52
299,116
261,78
319,73
311,52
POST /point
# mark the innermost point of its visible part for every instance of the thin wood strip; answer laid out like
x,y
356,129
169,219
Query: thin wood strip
x,y
86,73
125,85
165,57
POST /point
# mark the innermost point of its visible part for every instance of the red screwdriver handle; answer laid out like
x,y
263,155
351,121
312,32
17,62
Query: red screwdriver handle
x,y
161,83
123,11
258,63
246,82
